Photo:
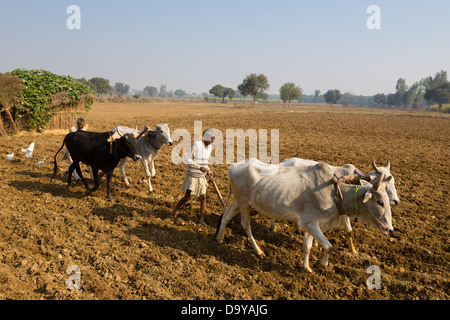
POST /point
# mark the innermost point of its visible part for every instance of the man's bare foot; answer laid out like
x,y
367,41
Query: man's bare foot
x,y
203,223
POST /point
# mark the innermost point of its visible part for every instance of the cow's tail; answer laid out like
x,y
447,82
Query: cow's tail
x,y
224,208
55,164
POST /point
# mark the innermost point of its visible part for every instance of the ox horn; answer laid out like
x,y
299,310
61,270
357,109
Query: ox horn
x,y
375,166
378,184
388,165
135,132
114,136
118,131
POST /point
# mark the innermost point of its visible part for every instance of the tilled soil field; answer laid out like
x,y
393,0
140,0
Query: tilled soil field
x,y
131,248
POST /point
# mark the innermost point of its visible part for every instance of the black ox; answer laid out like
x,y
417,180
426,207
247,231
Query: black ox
x,y
100,151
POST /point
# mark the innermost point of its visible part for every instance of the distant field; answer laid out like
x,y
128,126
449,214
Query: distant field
x,y
161,110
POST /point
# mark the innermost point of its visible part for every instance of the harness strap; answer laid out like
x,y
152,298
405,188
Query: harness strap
x,y
110,140
338,197
114,151
149,141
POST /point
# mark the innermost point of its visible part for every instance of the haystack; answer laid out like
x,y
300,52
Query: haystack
x,y
38,100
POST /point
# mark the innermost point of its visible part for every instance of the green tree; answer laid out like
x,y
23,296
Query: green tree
x,y
394,99
163,91
401,90
150,91
179,93
438,79
99,85
230,93
122,88
418,99
380,99
218,91
289,91
316,95
254,85
332,96
401,86
440,94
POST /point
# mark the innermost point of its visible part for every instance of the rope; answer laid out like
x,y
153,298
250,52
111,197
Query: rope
x,y
148,139
114,151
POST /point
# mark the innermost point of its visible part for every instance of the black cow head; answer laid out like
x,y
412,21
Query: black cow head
x,y
126,147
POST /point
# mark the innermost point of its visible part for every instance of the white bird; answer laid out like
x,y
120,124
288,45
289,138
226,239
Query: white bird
x,y
29,151
40,163
9,156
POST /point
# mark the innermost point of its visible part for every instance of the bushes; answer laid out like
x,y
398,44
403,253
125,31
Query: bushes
x,y
45,93
445,108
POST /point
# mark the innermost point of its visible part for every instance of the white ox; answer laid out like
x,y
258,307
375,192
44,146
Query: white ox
x,y
305,196
148,146
349,170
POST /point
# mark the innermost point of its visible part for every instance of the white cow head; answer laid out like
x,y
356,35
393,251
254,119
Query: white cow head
x,y
162,133
381,173
377,206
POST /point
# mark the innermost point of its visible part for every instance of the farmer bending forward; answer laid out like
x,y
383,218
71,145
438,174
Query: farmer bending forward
x,y
195,182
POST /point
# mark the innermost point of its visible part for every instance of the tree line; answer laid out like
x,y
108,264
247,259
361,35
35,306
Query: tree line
x,y
102,87
430,90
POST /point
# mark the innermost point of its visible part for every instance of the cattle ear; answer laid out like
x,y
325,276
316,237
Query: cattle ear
x,y
367,196
364,182
386,181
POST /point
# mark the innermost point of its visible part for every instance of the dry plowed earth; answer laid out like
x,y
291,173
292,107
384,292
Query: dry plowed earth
x,y
131,248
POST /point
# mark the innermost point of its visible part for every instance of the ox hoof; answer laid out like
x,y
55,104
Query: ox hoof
x,y
69,187
321,266
307,269
261,256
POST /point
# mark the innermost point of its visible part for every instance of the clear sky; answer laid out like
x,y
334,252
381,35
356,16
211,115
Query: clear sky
x,y
196,44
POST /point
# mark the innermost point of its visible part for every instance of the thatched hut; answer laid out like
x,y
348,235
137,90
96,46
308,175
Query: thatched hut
x,y
37,100
66,113
10,87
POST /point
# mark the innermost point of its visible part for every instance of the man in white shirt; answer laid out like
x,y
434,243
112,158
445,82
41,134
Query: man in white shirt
x,y
81,125
195,182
